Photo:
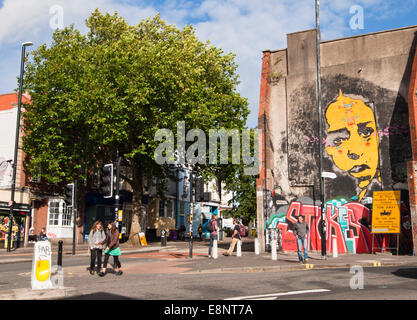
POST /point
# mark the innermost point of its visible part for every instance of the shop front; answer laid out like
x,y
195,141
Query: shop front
x,y
21,214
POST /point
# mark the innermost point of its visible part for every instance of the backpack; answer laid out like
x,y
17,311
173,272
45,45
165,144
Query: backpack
x,y
210,226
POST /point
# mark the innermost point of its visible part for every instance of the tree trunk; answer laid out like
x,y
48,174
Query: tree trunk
x,y
137,210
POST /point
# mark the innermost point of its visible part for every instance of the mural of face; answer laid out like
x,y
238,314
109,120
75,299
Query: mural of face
x,y
352,139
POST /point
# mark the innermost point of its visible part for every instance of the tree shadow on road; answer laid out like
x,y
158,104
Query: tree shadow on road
x,y
99,296
406,273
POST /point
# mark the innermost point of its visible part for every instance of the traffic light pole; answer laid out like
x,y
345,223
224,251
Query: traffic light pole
x,y
117,197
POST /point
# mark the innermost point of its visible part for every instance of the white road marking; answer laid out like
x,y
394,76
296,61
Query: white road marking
x,y
272,296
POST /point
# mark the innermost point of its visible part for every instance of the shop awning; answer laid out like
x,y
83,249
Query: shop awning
x,y
18,208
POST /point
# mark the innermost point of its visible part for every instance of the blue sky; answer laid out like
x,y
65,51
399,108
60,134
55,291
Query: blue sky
x,y
245,27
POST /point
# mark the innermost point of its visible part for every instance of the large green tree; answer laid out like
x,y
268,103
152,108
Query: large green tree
x,y
113,88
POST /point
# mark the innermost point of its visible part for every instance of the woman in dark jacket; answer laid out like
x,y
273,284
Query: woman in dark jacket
x,y
112,249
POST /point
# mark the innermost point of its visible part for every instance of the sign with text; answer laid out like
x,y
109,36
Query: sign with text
x,y
41,266
386,212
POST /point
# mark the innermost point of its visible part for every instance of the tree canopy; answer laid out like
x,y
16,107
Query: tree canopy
x,y
111,89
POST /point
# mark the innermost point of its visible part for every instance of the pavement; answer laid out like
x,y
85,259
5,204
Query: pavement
x,y
174,258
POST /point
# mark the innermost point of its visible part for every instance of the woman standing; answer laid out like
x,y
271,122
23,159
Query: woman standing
x,y
112,249
95,239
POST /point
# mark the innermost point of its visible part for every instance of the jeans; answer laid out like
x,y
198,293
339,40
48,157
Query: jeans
x,y
302,242
212,238
96,255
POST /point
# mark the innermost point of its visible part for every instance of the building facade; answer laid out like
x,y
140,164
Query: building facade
x,y
367,137
22,210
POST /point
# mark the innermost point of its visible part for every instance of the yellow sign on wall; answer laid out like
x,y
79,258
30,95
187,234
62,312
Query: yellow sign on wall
x,y
386,212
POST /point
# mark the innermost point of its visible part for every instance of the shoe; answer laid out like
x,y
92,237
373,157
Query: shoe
x,y
302,262
91,271
119,273
306,260
226,254
101,274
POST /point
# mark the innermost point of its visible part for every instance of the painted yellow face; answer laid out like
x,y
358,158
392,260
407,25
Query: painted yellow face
x,y
352,139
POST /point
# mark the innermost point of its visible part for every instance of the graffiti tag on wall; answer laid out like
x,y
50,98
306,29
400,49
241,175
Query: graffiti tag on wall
x,y
348,223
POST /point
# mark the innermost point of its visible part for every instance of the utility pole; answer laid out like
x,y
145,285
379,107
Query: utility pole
x,y
319,107
190,217
16,145
74,213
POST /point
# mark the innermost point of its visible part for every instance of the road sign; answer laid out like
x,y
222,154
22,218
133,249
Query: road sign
x,y
386,212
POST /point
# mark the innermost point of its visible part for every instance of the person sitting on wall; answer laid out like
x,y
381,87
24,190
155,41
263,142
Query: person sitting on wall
x,y
42,235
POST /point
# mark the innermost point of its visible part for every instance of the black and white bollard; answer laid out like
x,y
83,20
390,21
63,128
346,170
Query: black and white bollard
x,y
59,262
163,238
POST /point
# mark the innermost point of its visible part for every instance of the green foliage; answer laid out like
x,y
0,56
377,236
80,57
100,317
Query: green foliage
x,y
114,87
244,199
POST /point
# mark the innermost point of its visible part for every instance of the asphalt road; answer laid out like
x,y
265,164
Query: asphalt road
x,y
147,278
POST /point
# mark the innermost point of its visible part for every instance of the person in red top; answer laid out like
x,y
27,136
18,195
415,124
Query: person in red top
x,y
213,234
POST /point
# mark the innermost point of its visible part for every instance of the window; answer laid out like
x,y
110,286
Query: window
x,y
67,217
170,208
161,208
54,210
166,208
59,214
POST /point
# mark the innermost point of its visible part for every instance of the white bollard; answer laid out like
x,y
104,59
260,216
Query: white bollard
x,y
334,248
274,249
239,248
257,246
214,253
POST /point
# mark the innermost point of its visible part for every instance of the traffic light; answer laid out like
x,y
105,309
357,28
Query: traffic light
x,y
69,195
106,181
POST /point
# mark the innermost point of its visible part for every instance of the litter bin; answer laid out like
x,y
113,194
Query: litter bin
x,y
173,234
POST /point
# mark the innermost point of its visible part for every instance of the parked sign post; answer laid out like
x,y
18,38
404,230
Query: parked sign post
x,y
386,214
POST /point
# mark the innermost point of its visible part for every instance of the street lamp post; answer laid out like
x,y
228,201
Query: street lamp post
x,y
321,182
16,144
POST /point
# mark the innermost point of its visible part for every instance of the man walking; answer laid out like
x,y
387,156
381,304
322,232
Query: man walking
x,y
300,231
212,228
235,238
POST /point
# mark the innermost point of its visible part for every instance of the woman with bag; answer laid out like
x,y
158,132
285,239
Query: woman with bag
x,y
112,249
95,239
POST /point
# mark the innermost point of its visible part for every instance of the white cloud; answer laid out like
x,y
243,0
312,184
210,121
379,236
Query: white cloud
x,y
245,27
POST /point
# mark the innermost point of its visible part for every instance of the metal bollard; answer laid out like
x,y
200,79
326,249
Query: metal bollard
x,y
334,248
239,248
274,249
257,246
60,245
214,253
